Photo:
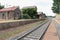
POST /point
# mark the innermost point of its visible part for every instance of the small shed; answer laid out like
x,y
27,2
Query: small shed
x,y
41,15
10,13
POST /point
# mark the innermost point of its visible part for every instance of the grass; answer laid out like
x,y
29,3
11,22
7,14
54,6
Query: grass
x,y
18,30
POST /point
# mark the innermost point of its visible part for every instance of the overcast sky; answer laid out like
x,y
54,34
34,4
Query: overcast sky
x,y
42,5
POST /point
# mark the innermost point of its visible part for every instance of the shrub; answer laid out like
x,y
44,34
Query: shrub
x,y
26,16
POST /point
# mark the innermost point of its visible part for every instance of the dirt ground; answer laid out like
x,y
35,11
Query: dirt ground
x,y
51,33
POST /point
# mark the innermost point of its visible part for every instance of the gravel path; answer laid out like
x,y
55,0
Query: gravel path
x,y
37,33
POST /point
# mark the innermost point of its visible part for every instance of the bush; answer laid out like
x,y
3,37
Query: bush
x,y
26,16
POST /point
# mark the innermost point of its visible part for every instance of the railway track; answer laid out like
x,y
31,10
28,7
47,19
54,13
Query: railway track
x,y
33,34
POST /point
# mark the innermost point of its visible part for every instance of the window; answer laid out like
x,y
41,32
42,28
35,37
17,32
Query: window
x,y
3,15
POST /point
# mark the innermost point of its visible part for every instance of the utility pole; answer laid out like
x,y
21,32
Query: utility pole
x,y
59,9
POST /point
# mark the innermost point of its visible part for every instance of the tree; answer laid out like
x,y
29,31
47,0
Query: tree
x,y
1,6
31,11
56,6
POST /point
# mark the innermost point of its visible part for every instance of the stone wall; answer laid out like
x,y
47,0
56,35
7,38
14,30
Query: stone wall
x,y
6,25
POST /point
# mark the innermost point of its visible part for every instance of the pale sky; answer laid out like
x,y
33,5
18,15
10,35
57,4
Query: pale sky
x,y
42,5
